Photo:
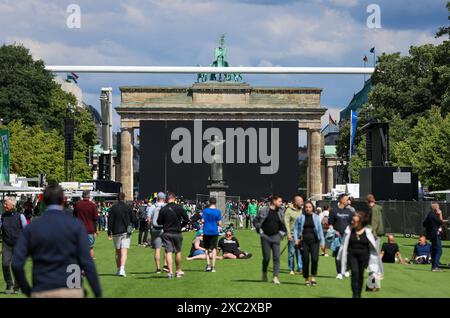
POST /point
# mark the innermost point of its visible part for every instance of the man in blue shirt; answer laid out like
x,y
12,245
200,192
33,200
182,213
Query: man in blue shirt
x,y
59,249
422,251
212,219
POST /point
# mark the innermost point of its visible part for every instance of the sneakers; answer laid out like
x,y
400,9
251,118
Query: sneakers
x,y
169,275
339,276
208,268
122,272
248,255
213,269
326,255
291,273
275,280
347,274
9,291
158,271
436,269
180,274
264,277
166,269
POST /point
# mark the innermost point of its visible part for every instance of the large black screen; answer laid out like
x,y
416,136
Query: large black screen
x,y
172,157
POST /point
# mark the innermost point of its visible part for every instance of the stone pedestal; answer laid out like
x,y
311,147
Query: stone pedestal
x,y
218,191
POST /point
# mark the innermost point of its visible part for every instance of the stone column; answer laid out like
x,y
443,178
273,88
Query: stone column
x,y
315,180
308,166
330,178
126,162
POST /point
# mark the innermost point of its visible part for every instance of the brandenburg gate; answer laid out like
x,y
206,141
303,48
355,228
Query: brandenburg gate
x,y
221,97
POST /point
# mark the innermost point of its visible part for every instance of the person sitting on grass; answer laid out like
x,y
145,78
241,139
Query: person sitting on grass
x,y
422,252
390,252
230,247
197,250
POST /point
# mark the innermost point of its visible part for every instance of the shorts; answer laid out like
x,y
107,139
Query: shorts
x,y
91,240
172,242
198,252
236,253
121,241
156,238
210,242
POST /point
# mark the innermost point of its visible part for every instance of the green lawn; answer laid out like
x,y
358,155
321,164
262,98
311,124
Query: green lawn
x,y
241,278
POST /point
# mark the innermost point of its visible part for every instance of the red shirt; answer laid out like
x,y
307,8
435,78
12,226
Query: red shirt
x,y
86,212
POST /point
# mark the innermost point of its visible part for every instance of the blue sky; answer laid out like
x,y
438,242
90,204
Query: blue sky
x,y
185,32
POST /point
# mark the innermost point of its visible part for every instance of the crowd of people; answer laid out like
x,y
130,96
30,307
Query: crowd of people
x,y
61,241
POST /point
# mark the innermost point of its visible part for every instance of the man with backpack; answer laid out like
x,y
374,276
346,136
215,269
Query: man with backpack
x,y
157,230
11,225
143,223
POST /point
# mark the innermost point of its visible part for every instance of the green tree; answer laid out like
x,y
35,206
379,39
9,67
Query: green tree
x,y
28,93
427,149
444,30
25,86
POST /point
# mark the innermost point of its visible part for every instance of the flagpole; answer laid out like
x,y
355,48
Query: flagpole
x,y
350,149
374,55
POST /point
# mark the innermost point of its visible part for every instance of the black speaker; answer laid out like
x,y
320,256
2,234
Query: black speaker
x,y
389,183
369,145
69,129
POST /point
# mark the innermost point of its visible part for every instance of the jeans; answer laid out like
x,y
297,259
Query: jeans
x,y
310,248
436,252
7,255
271,244
252,218
357,263
294,255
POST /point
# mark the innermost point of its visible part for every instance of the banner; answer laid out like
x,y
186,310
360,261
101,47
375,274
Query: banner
x,y
353,124
4,156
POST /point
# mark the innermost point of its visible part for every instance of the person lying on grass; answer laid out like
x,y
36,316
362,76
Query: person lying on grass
x,y
230,247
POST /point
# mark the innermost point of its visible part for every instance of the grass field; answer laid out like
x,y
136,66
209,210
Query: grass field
x,y
241,278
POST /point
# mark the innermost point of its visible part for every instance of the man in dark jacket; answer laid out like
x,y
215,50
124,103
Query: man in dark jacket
x,y
269,223
11,225
432,224
120,225
58,247
172,217
86,212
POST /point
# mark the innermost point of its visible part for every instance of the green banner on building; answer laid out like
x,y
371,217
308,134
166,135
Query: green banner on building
x,y
4,156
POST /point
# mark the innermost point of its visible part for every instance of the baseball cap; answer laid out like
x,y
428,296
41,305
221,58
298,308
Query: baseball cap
x,y
161,195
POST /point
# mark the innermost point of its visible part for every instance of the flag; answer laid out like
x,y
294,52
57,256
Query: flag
x,y
353,124
71,78
372,50
74,75
365,59
331,120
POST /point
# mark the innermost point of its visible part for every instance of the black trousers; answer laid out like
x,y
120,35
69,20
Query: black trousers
x,y
358,263
143,230
310,249
7,255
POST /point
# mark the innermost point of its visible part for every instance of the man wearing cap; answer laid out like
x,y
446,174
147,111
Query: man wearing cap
x,y
86,212
157,230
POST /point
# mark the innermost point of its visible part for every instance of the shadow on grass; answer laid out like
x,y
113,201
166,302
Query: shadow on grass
x,y
261,282
107,275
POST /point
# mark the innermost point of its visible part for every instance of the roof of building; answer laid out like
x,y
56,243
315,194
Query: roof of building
x,y
358,100
330,129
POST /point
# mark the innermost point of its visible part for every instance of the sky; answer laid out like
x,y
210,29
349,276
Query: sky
x,y
185,33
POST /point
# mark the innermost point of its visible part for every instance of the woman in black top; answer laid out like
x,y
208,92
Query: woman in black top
x,y
358,253
309,242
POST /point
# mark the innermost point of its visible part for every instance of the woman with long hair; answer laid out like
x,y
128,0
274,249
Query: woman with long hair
x,y
359,251
308,234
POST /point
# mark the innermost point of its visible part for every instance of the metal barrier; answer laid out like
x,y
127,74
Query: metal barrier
x,y
403,217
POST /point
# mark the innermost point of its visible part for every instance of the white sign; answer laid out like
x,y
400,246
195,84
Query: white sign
x,y
69,185
353,189
86,186
402,177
